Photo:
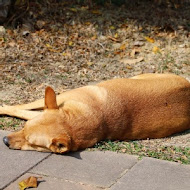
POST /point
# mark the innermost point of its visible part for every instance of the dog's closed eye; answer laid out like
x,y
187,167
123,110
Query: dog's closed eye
x,y
60,145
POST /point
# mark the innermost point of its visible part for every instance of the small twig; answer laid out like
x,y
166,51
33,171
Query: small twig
x,y
113,39
101,45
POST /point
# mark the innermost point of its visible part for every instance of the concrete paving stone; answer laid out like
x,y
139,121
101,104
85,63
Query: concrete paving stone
x,y
153,174
100,169
49,183
14,162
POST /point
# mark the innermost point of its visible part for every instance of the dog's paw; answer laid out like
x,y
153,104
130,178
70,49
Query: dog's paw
x,y
3,105
3,109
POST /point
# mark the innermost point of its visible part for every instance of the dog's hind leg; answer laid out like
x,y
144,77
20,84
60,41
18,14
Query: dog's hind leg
x,y
16,112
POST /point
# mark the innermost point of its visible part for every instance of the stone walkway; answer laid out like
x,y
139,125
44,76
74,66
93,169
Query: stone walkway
x,y
90,171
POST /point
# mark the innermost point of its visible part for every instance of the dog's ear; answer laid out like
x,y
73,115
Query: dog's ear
x,y
50,99
60,144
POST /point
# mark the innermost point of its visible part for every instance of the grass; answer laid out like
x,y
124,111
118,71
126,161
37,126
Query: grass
x,y
167,61
8,123
170,153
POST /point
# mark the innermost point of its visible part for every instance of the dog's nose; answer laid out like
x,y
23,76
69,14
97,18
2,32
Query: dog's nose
x,y
6,141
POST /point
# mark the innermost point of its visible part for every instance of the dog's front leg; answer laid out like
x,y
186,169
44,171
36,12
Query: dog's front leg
x,y
15,112
36,105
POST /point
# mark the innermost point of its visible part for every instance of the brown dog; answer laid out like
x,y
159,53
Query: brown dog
x,y
146,106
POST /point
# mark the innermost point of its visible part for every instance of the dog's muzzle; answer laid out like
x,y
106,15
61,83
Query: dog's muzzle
x,y
6,141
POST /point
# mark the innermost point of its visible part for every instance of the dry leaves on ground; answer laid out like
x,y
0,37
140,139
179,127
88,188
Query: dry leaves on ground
x,y
30,182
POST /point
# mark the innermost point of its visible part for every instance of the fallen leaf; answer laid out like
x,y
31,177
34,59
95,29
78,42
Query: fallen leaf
x,y
28,183
124,25
96,12
112,27
155,49
73,10
87,23
129,67
64,54
117,52
116,35
90,63
123,47
48,46
70,43
132,61
94,37
151,40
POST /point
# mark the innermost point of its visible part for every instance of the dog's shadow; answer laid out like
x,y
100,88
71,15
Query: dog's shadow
x,y
76,155
181,133
39,181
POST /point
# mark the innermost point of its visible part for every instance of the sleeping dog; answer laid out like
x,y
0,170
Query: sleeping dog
x,y
145,106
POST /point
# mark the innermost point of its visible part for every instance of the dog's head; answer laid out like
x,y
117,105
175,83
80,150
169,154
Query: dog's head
x,y
46,132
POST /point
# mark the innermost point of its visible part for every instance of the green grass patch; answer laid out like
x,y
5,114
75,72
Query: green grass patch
x,y
7,123
170,153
